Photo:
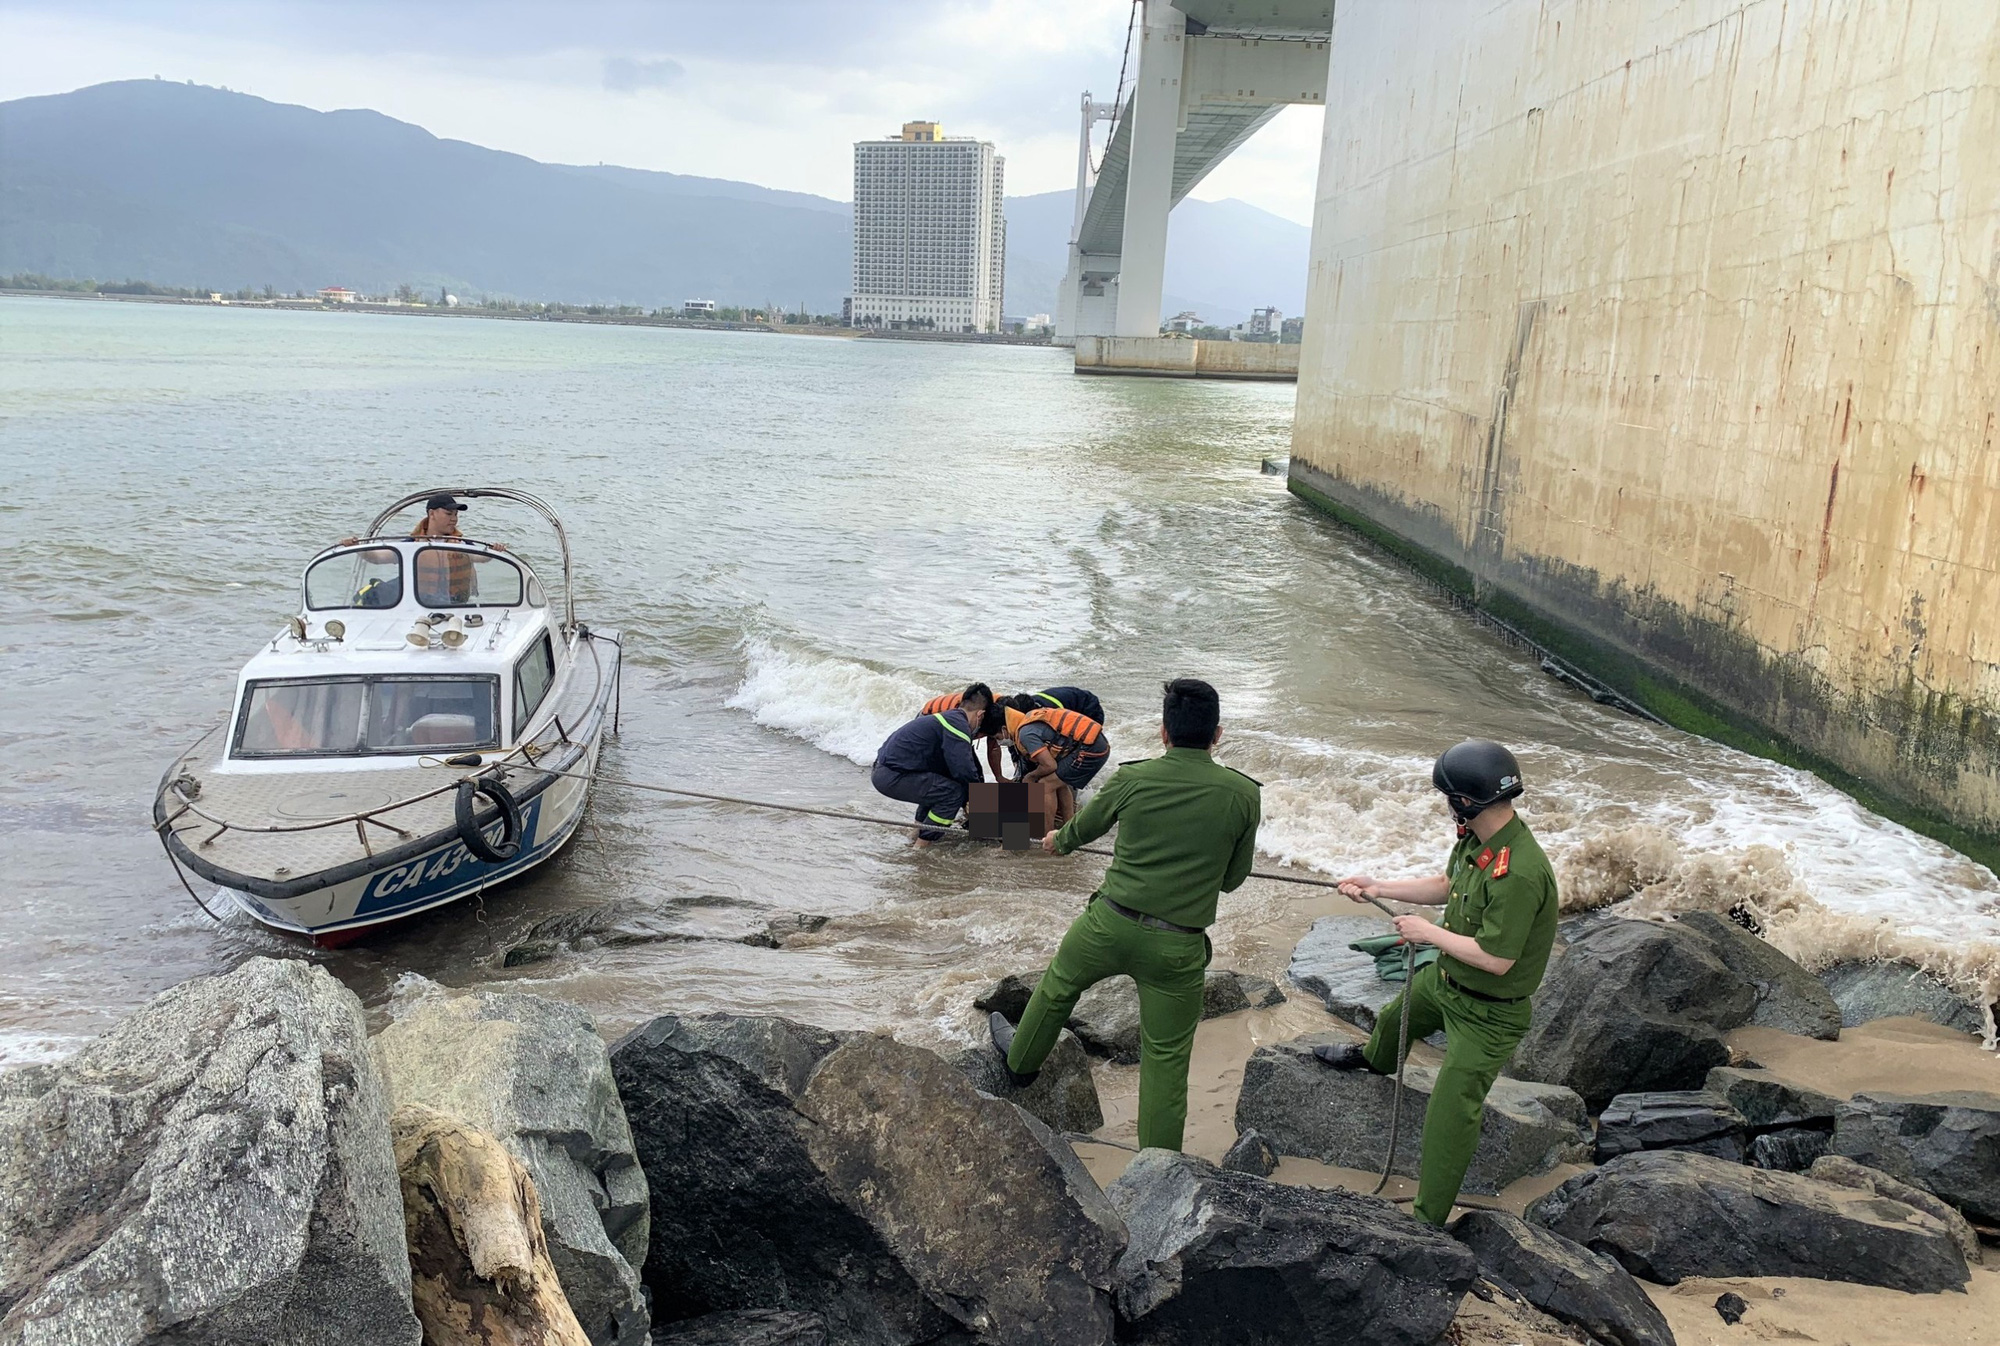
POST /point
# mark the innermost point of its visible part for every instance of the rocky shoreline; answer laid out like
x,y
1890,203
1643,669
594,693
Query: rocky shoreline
x,y
239,1161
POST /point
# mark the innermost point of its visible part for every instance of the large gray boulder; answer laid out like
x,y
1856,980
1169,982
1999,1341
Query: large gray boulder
x,y
1841,1171
1563,1279
1868,991
1064,1094
534,1074
860,1179
1946,1143
1789,998
217,1168
1302,1107
1632,1007
1768,1102
1679,1120
1666,1215
1340,978
1106,1016
1221,1256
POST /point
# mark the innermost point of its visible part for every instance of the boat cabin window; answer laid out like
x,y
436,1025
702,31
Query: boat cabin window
x,y
532,677
369,578
451,577
351,717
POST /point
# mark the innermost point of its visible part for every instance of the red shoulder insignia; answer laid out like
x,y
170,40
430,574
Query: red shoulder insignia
x,y
1500,869
1485,858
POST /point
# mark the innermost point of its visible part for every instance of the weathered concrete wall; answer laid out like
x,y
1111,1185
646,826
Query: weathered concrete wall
x,y
1673,329
1179,357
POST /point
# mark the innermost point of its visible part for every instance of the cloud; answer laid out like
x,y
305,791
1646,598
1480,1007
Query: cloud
x,y
768,91
624,74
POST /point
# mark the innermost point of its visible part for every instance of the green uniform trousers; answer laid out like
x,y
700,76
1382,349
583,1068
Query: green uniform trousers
x,y
1168,967
1479,1037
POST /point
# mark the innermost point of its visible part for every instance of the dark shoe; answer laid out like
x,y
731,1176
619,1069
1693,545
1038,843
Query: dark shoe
x,y
1341,1055
1003,1039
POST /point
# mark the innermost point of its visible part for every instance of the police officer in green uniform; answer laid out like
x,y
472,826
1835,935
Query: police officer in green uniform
x,y
1499,899
1187,832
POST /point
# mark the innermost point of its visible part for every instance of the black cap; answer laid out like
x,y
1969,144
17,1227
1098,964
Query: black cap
x,y
442,502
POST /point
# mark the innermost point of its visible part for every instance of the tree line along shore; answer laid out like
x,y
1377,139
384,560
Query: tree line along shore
x,y
620,315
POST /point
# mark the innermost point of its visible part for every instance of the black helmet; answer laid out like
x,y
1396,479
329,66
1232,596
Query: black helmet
x,y
1479,771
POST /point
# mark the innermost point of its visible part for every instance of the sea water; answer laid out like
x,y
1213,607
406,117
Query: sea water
x,y
801,539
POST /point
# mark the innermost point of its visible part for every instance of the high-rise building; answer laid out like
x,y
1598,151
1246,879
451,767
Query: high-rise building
x,y
930,234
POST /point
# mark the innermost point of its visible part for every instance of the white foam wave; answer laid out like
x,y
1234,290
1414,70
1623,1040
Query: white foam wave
x,y
21,1047
840,706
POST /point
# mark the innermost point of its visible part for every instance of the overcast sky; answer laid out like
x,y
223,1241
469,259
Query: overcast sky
x,y
766,91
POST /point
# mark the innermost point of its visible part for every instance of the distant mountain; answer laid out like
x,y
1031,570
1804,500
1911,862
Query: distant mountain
x,y
187,185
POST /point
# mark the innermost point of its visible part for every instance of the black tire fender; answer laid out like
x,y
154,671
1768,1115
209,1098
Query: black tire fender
x,y
503,799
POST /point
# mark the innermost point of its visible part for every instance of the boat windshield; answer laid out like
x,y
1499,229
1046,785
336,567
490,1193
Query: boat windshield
x,y
369,578
451,577
361,716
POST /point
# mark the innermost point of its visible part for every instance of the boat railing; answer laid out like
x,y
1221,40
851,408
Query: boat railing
x,y
535,503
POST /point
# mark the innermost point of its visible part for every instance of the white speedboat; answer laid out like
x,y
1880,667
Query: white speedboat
x,y
425,727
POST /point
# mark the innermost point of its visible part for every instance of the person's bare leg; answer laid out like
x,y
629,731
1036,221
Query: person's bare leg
x,y
1065,803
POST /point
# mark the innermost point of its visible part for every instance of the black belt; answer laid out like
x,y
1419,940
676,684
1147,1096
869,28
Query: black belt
x,y
1150,922
1479,995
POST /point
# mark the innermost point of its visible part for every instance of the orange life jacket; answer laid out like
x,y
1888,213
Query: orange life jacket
x,y
938,705
1076,730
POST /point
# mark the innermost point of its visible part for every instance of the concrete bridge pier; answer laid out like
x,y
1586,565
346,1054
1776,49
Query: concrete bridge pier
x,y
1209,74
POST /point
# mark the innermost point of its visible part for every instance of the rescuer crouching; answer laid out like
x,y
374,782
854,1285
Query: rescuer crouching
x,y
1065,746
929,762
1500,909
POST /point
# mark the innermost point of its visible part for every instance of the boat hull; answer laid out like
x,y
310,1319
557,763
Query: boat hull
x,y
445,873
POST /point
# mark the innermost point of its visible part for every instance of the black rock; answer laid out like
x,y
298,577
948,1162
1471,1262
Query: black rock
x,y
860,1179
746,1327
1304,1108
1563,1279
1730,1306
1767,1101
1844,1172
1009,996
1629,1007
1681,1120
1220,1256
1866,991
1789,998
1789,1149
1064,1094
1106,1017
1946,1143
1340,978
1666,1215
1251,1154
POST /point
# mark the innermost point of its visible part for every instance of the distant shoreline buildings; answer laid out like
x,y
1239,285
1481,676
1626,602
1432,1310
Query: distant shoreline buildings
x,y
930,232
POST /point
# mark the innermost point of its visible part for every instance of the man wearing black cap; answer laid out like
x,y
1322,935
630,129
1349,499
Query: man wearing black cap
x,y
1499,898
442,572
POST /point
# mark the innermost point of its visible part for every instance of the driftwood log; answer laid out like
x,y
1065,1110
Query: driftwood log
x,y
479,1263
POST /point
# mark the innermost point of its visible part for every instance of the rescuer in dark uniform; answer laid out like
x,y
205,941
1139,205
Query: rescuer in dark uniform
x,y
929,763
1187,832
1499,898
981,714
1066,698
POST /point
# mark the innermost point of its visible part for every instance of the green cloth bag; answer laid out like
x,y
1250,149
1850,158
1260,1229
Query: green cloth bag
x,y
1387,951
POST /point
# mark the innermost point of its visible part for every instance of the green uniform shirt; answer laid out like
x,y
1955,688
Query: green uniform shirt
x,y
1187,832
1503,894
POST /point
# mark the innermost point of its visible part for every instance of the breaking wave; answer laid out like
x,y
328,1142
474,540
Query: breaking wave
x,y
840,706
